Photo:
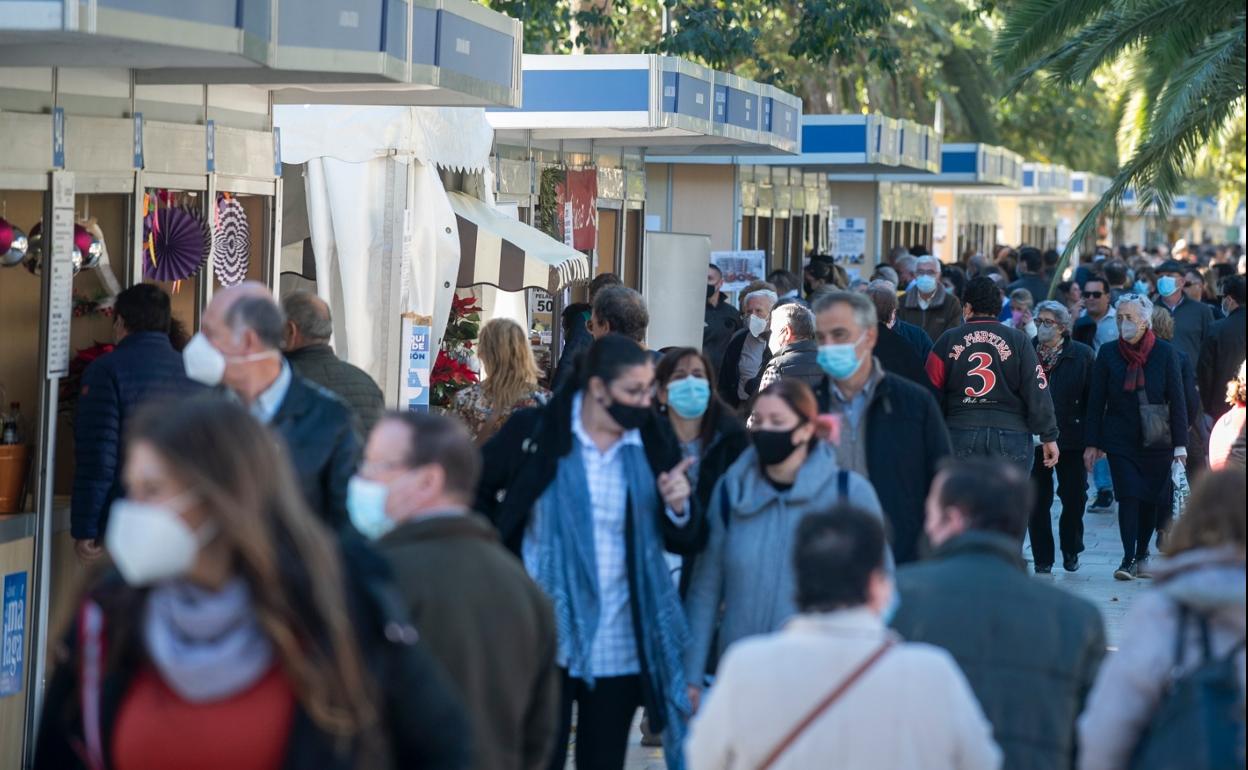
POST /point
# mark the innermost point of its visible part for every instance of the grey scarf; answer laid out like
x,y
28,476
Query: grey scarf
x,y
207,645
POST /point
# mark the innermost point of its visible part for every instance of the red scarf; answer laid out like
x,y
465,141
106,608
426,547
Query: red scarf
x,y
1136,355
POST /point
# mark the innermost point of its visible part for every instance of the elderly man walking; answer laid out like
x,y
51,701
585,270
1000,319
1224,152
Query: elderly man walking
x,y
239,347
309,326
926,303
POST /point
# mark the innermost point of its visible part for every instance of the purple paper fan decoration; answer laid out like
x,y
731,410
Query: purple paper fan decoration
x,y
181,244
231,249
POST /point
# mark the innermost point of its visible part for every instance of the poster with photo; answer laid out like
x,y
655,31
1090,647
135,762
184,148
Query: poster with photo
x,y
740,268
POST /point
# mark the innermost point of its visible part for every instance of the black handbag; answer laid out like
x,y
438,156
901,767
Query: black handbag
x,y
1154,423
1199,724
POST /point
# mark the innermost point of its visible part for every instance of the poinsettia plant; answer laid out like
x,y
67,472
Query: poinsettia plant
x,y
452,369
71,385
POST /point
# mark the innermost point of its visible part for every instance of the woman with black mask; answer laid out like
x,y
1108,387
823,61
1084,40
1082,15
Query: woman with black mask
x,y
590,490
788,472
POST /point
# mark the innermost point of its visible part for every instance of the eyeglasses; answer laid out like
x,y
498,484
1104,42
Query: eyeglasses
x,y
1046,322
1094,294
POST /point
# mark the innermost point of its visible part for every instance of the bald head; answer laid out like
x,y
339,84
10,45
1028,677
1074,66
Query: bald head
x,y
243,316
308,321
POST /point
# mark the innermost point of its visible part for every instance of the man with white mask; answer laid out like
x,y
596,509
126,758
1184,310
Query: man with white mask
x,y
239,347
747,354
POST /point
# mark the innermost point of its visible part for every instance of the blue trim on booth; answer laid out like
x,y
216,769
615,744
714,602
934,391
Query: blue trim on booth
x,y
960,162
475,50
584,91
825,139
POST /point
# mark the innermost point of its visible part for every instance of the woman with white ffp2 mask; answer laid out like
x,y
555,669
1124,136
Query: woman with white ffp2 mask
x,y
233,607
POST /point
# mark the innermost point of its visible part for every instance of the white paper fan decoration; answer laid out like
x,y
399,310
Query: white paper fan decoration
x,y
231,246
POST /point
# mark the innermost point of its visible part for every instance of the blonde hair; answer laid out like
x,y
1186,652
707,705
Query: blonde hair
x,y
1163,323
511,372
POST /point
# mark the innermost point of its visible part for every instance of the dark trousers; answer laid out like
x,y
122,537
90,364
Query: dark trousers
x,y
1012,446
1136,521
604,718
1072,488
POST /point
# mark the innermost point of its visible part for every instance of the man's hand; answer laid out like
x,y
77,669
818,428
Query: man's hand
x,y
674,485
695,698
88,550
1051,454
1091,456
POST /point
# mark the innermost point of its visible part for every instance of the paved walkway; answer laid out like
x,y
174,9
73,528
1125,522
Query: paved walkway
x,y
1094,581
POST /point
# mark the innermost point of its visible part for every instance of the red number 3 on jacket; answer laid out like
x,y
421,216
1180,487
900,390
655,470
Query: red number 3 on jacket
x,y
987,377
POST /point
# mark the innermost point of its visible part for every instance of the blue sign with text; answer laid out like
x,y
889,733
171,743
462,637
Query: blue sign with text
x,y
12,633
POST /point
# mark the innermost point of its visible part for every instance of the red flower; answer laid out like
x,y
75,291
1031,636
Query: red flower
x,y
462,306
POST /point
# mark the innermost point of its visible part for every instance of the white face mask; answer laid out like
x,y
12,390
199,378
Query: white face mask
x,y
757,325
774,343
205,364
150,543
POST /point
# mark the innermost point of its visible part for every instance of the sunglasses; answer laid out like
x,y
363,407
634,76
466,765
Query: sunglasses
x,y
1094,294
1190,284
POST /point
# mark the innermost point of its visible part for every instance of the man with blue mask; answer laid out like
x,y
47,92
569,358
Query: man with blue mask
x,y
878,411
1193,320
927,303
464,591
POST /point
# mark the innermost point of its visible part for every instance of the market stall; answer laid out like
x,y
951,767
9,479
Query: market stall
x,y
833,197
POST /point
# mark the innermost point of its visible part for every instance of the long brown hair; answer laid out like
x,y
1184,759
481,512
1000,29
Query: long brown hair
x,y
511,372
1214,515
288,558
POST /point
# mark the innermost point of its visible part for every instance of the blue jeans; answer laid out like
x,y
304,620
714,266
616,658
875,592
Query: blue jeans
x,y
1101,477
1010,445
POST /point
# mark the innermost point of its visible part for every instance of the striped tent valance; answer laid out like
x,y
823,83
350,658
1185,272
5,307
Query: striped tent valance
x,y
496,250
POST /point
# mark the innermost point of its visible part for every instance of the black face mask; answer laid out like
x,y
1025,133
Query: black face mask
x,y
773,446
808,288
627,416
710,291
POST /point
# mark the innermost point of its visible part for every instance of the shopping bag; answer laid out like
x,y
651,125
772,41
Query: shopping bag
x,y
1178,479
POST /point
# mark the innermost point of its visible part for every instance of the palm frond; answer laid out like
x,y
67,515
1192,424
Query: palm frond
x,y
1214,70
1112,33
1034,26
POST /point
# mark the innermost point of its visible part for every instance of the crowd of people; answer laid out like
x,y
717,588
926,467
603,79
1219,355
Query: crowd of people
x,y
799,546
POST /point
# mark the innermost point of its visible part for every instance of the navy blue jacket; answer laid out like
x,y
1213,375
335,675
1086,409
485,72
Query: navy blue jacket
x,y
143,368
319,431
1114,414
1068,387
915,336
901,414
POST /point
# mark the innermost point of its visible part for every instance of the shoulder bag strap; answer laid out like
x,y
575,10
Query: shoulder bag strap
x,y
92,643
825,704
842,485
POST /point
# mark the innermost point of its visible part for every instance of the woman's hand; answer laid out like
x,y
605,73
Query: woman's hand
x,y
1091,456
695,698
674,485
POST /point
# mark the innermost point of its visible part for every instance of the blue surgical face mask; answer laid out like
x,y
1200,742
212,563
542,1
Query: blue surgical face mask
x,y
689,397
840,361
366,506
1167,285
1142,287
925,283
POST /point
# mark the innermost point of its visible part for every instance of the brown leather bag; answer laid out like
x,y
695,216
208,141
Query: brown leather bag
x,y
825,704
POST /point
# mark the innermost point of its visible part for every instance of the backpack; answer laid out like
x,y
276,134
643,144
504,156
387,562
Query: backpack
x,y
1199,724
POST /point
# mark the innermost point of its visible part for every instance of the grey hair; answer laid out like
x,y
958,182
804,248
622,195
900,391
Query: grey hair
x,y
926,258
309,314
1057,309
799,320
864,309
1139,300
262,316
766,294
906,262
889,274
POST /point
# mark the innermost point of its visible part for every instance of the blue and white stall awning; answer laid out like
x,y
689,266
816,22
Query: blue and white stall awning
x,y
649,101
851,145
973,165
1047,181
397,52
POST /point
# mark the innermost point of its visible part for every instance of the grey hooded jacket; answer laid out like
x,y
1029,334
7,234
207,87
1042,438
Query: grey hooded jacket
x,y
748,563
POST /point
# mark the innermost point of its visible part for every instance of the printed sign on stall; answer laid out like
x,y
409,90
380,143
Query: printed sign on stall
x,y
417,364
12,633
851,237
740,268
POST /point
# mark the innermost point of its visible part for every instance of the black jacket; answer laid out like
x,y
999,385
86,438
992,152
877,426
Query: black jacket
x,y
143,368
899,357
989,377
730,372
1035,283
317,363
795,361
574,346
1220,358
915,336
721,321
319,431
465,592
1069,380
520,462
1030,651
1114,414
423,718
901,414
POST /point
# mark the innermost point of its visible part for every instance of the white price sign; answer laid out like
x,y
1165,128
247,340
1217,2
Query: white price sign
x,y
59,261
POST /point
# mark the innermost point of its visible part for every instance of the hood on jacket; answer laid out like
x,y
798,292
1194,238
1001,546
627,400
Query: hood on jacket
x,y
1209,580
750,492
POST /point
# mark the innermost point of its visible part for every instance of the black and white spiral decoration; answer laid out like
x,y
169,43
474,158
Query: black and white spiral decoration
x,y
232,242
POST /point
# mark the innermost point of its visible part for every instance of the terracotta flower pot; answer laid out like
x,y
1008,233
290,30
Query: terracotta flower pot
x,y
14,467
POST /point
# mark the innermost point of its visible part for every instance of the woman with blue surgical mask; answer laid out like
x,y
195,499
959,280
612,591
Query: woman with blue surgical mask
x,y
708,430
233,611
